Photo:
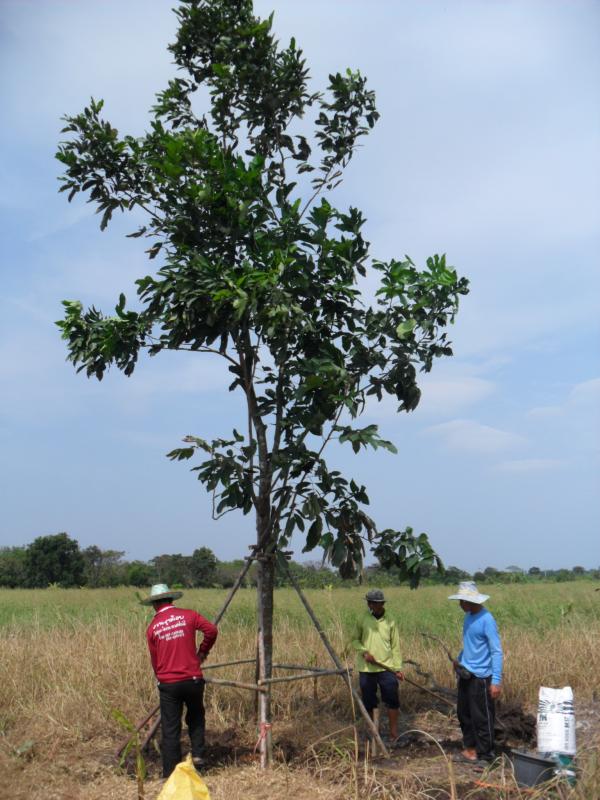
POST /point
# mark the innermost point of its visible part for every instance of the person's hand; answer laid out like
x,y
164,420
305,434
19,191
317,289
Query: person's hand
x,y
400,676
368,657
455,663
202,657
495,691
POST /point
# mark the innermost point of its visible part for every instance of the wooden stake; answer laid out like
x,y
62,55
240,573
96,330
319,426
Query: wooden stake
x,y
418,685
337,662
151,732
238,684
300,666
376,721
228,663
433,694
313,675
234,588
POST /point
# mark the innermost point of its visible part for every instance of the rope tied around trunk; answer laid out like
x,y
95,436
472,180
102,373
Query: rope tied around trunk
x,y
265,727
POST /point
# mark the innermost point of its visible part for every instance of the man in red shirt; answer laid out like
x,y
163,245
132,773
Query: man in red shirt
x,y
176,662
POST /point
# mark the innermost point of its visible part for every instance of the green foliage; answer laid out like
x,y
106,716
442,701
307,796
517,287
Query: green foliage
x,y
171,569
138,573
204,566
102,567
107,568
133,747
199,569
226,573
13,570
54,559
257,267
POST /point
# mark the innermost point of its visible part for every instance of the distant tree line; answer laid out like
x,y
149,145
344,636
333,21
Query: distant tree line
x,y
58,560
512,574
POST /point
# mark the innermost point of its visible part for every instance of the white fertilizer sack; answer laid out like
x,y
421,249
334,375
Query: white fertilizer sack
x,y
556,721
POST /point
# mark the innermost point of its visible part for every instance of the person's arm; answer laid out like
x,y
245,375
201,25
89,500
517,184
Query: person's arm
x,y
151,649
395,646
356,642
493,638
459,657
210,633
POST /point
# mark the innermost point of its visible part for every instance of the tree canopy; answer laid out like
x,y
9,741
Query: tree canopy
x,y
54,559
257,267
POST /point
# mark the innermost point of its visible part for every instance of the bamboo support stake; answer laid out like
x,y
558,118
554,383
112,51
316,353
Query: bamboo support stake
x,y
238,684
433,694
418,685
151,732
301,666
313,675
338,663
227,664
376,721
234,588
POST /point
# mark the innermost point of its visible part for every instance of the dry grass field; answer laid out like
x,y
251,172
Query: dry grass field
x,y
69,657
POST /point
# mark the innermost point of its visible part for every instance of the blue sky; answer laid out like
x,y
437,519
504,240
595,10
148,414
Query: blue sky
x,y
487,150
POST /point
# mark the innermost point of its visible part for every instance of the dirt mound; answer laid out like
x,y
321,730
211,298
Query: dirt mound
x,y
512,723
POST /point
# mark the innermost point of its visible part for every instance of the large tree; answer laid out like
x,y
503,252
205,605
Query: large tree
x,y
256,267
13,570
54,559
102,567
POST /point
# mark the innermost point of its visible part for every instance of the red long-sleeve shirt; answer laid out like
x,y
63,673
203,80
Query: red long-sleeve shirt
x,y
171,640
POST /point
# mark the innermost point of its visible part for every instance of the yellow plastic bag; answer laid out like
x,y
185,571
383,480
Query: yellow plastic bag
x,y
184,783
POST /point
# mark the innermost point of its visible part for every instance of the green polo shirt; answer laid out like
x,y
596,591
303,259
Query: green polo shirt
x,y
380,638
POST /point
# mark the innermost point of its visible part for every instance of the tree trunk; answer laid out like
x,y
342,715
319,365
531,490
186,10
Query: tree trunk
x,y
264,555
265,558
266,581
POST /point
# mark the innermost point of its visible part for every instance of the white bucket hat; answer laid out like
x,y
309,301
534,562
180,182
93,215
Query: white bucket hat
x,y
467,590
160,591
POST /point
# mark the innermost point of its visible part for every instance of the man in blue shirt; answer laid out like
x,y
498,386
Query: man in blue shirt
x,y
479,671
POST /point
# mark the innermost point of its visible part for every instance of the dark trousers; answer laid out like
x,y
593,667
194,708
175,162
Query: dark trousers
x,y
476,714
172,698
388,686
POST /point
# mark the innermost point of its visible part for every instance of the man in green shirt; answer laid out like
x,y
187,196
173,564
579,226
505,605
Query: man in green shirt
x,y
377,646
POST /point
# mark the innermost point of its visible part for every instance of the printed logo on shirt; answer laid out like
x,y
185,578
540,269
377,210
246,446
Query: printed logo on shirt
x,y
165,630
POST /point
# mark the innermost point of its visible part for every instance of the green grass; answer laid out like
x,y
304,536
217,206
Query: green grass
x,y
537,607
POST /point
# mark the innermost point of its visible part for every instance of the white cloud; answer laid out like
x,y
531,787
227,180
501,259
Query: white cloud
x,y
586,393
465,434
582,397
574,424
451,395
450,390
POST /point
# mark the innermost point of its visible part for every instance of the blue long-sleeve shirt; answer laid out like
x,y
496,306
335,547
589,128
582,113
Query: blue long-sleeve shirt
x,y
482,650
